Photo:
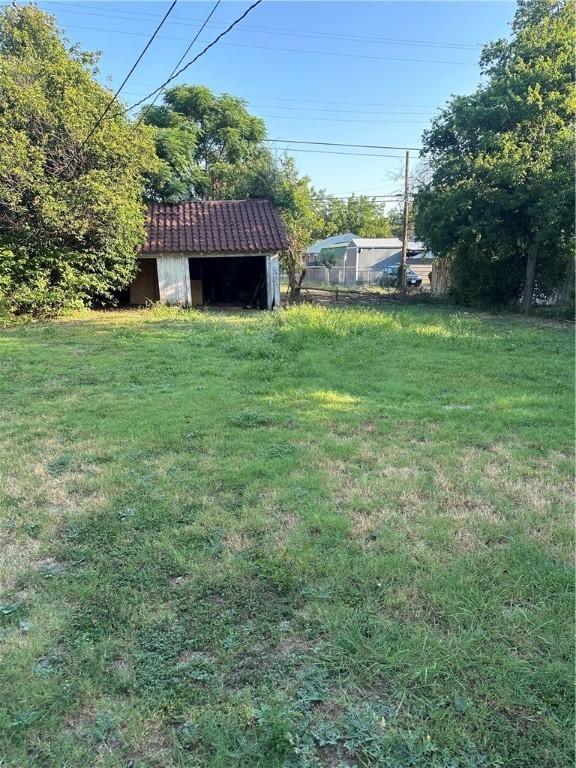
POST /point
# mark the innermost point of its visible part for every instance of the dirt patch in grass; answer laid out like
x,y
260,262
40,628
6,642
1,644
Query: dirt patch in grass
x,y
293,645
237,541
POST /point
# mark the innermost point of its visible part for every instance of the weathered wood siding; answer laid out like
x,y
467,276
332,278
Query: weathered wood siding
x,y
272,282
174,280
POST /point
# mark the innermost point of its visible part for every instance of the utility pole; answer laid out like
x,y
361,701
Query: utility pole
x,y
402,275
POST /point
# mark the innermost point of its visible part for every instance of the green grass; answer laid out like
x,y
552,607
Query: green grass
x,y
312,538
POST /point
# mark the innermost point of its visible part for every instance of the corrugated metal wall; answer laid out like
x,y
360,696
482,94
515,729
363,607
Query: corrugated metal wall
x,y
378,258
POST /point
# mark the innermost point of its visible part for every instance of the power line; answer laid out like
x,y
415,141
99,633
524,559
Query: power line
x,y
308,109
251,100
180,60
339,144
343,120
123,83
128,15
347,103
347,195
362,191
332,152
300,51
372,197
305,108
202,52
375,198
355,55
336,111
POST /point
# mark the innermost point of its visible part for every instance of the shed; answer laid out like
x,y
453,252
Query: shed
x,y
211,252
370,256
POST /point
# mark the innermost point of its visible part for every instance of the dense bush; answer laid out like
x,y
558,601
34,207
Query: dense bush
x,y
71,216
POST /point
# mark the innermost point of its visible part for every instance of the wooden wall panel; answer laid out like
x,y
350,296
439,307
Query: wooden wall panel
x,y
197,293
144,287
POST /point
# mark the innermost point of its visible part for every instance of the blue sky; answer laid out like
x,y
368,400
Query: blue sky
x,y
354,72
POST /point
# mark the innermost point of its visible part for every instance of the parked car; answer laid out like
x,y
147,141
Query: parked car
x,y
390,277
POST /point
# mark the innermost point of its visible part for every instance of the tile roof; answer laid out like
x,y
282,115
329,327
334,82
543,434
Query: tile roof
x,y
214,226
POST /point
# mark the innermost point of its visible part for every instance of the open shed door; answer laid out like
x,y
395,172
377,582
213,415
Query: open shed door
x,y
273,281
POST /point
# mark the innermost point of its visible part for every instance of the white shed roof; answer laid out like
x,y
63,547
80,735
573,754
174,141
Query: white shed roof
x,y
377,242
343,239
386,242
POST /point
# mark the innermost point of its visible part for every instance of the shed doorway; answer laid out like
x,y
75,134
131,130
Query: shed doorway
x,y
144,288
229,280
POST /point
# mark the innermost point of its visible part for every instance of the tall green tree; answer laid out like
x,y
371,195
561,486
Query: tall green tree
x,y
207,142
359,214
71,215
500,200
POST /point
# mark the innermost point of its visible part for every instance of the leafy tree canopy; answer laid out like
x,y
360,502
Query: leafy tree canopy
x,y
500,199
70,213
362,215
207,142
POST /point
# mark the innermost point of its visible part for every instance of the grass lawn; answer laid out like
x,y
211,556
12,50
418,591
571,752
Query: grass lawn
x,y
319,537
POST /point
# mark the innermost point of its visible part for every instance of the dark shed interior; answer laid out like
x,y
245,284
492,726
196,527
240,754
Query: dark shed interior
x,y
237,280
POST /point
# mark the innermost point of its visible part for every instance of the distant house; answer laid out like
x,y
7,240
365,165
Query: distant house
x,y
211,252
368,257
363,260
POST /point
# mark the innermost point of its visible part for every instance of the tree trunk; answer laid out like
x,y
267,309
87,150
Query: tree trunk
x,y
295,284
528,291
567,290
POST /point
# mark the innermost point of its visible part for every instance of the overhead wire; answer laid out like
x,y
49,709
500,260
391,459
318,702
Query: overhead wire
x,y
341,144
128,15
347,103
375,198
252,99
180,60
123,83
308,109
333,152
178,72
341,54
345,120
299,51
